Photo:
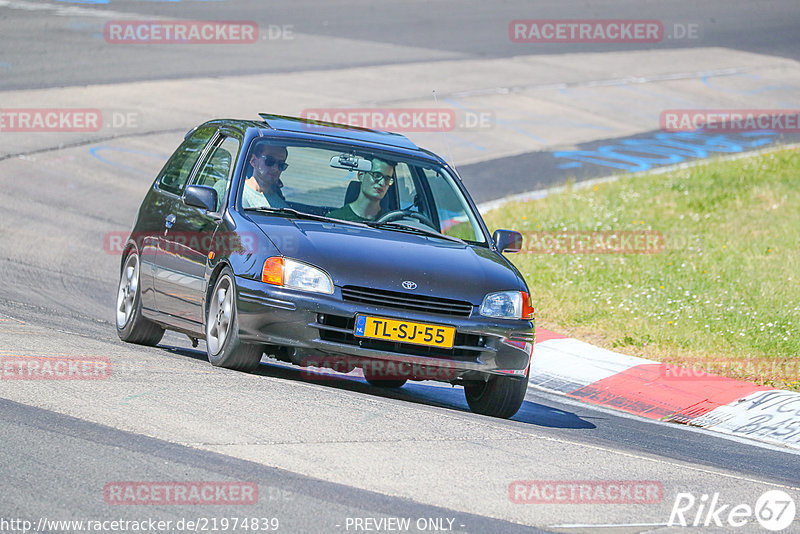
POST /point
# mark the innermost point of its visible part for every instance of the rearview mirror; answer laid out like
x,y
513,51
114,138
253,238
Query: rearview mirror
x,y
507,240
351,162
201,196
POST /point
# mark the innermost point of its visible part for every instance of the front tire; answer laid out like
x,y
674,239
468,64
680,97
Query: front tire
x,y
500,396
132,327
223,346
386,384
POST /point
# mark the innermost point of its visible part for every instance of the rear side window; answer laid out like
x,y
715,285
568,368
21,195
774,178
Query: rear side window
x,y
175,173
216,170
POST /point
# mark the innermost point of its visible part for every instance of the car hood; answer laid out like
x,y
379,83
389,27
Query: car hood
x,y
384,259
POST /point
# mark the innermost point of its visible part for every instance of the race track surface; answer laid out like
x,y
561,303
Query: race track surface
x,y
325,453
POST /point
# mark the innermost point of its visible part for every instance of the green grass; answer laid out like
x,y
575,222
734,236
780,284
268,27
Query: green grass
x,y
723,295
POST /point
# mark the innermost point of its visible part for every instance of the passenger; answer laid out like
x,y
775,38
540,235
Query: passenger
x,y
263,188
374,185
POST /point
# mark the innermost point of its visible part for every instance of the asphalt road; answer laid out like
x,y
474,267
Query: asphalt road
x,y
322,453
52,50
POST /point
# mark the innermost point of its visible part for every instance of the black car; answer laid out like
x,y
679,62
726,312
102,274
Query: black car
x,y
330,247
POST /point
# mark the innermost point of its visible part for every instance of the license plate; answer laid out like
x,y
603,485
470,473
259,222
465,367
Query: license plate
x,y
405,331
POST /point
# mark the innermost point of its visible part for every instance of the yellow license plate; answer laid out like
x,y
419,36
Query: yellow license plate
x,y
405,331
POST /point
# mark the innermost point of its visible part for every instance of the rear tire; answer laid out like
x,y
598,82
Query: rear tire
x,y
223,346
132,327
501,396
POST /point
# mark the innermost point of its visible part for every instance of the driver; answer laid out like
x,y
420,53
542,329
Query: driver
x,y
374,185
263,188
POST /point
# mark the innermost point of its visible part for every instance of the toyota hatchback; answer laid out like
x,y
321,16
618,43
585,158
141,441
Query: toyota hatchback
x,y
329,247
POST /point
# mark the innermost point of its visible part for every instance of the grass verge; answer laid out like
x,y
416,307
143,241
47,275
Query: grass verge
x,y
713,283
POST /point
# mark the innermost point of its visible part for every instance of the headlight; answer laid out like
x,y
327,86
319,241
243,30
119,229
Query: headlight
x,y
507,305
293,274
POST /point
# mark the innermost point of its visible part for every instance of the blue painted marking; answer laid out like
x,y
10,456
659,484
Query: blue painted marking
x,y
94,152
763,89
762,140
707,81
636,155
361,323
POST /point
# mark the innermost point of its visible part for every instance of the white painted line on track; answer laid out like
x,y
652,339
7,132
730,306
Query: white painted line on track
x,y
609,525
69,10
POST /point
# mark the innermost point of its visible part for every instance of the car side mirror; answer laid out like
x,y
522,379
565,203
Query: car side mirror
x,y
507,240
201,196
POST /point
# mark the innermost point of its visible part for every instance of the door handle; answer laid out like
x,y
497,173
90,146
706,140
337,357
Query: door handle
x,y
170,220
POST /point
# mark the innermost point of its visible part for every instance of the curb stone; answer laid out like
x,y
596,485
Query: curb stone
x,y
664,392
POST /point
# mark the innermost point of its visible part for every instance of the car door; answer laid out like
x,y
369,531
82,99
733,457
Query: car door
x,y
191,237
165,200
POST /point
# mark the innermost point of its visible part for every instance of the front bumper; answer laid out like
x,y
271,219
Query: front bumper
x,y
317,326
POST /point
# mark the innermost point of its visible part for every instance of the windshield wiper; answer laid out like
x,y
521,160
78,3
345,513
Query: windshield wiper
x,y
303,215
423,231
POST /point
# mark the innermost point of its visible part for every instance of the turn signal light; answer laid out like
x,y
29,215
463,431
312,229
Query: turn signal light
x,y
527,307
273,271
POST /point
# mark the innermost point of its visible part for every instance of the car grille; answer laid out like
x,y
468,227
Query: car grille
x,y
405,301
338,329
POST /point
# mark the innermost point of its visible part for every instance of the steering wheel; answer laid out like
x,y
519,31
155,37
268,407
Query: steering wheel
x,y
405,214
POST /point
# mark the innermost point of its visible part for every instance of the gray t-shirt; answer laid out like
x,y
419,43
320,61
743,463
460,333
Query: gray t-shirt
x,y
251,198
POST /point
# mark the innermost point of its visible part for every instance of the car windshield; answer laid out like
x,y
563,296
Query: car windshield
x,y
378,188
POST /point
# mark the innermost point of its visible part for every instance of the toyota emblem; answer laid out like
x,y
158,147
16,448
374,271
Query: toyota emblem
x,y
408,284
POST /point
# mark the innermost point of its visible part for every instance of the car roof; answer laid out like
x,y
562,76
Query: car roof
x,y
332,129
312,129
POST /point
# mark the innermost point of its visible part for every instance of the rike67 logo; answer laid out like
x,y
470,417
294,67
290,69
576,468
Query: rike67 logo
x,y
774,510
